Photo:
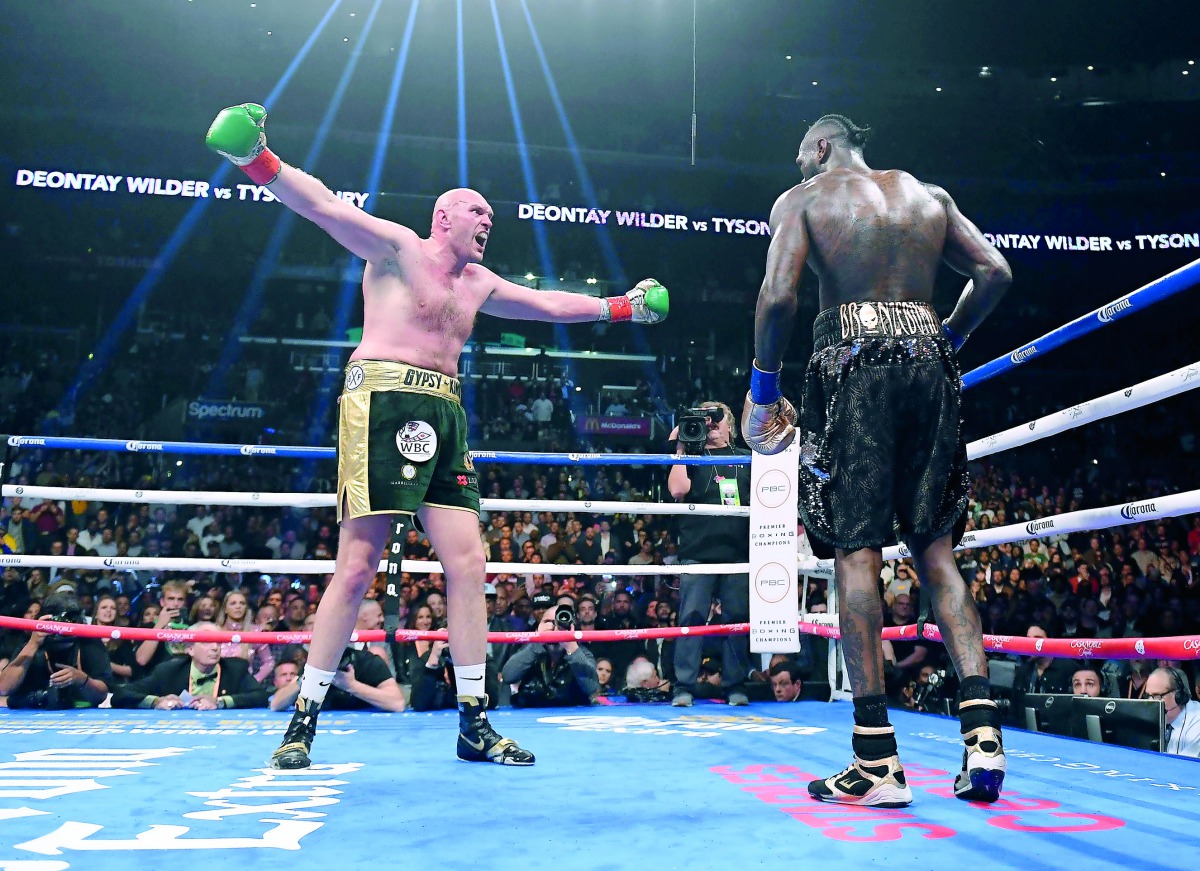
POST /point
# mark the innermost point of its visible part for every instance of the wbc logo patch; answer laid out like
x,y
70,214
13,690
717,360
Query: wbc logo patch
x,y
416,441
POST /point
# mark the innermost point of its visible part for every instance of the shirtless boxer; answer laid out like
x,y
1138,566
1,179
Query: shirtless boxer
x,y
402,430
881,436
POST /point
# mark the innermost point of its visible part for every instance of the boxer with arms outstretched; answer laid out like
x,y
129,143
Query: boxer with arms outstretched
x,y
402,431
881,447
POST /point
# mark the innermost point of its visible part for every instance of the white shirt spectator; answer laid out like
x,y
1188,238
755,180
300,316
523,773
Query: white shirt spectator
x,y
1184,737
103,549
543,409
197,525
88,541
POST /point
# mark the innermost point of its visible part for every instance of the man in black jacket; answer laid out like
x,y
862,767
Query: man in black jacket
x,y
708,539
1039,674
433,686
362,680
552,675
57,671
204,681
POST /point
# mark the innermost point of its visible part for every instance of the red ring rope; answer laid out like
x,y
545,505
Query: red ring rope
x,y
1173,647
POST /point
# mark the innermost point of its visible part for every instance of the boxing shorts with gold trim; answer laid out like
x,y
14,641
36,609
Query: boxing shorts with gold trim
x,y
402,442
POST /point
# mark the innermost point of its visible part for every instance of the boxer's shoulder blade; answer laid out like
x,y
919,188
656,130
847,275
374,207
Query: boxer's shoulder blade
x,y
876,235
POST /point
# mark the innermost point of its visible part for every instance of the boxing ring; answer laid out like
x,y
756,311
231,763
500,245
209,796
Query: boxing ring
x,y
615,785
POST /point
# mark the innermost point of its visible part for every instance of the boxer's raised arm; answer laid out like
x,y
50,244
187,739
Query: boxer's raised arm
x,y
361,233
238,134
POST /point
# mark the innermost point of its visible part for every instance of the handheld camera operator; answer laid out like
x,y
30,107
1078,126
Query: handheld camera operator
x,y
57,671
432,679
402,431
880,428
554,674
708,431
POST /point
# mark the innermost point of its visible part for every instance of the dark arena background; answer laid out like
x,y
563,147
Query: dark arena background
x,y
155,297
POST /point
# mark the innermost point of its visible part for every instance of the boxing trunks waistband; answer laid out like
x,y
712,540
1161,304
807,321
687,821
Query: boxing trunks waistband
x,y
871,319
390,375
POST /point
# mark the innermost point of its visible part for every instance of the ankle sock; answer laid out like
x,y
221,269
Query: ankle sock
x,y
870,716
314,684
468,680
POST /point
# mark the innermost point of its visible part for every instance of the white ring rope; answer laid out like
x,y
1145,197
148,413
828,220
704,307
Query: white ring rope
x,y
327,500
1164,386
1060,524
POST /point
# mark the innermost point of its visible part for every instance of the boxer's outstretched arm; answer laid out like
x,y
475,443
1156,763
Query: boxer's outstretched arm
x,y
517,302
968,252
647,303
361,233
776,310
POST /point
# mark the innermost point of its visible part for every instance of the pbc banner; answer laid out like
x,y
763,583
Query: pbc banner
x,y
774,550
594,425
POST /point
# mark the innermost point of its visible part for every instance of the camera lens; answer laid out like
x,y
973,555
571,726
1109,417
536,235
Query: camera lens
x,y
564,618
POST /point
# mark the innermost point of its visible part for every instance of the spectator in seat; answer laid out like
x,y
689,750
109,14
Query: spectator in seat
x,y
202,680
786,681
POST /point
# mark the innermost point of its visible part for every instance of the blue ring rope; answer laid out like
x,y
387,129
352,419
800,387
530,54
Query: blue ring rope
x,y
302,453
1175,282
1181,279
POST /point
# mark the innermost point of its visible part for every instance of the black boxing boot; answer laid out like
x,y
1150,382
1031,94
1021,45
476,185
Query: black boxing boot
x,y
874,779
297,740
479,742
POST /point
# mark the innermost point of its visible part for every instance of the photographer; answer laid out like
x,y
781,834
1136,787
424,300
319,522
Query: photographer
x,y
362,680
433,687
553,675
57,671
707,430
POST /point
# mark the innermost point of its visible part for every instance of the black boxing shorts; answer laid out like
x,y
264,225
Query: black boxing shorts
x,y
881,448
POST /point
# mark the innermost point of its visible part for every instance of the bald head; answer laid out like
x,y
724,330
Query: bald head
x,y
370,615
465,196
462,222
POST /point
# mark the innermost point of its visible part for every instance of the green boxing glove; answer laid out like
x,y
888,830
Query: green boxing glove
x,y
237,133
648,303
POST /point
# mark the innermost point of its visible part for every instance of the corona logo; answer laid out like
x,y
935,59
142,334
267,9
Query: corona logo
x,y
1023,354
18,441
1135,509
143,446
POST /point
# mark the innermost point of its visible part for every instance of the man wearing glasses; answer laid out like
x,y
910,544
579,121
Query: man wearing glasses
x,y
1170,686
